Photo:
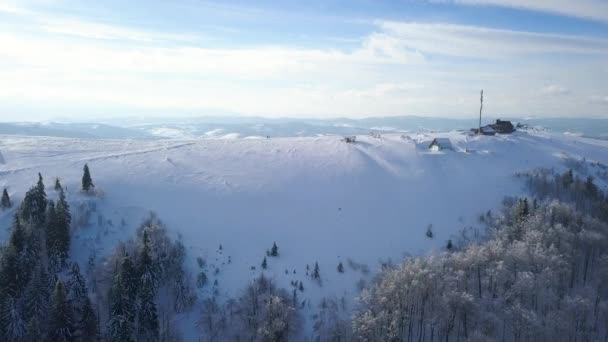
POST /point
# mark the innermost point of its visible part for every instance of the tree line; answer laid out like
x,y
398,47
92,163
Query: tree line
x,y
541,274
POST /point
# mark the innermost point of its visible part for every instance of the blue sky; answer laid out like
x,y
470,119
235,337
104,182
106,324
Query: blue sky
x,y
357,58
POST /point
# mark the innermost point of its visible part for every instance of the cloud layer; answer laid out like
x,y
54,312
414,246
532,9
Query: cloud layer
x,y
396,68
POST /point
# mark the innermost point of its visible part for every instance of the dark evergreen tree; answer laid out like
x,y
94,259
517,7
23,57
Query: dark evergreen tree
x,y
129,282
12,324
5,203
60,316
53,236
567,178
316,274
11,281
429,231
340,267
87,324
37,294
449,246
77,289
33,207
590,188
120,325
58,229
301,287
87,182
58,185
147,319
275,250
18,235
264,263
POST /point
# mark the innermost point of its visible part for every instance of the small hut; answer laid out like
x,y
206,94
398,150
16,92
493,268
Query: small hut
x,y
439,144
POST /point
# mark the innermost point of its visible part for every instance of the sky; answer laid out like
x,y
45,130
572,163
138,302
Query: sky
x,y
65,59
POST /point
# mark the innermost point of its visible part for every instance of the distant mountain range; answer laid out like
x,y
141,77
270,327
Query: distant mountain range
x,y
243,127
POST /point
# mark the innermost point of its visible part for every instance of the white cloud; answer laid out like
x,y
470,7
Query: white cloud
x,y
554,90
473,41
590,9
74,63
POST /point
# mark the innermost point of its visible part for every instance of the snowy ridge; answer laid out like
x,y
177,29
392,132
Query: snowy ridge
x,y
319,198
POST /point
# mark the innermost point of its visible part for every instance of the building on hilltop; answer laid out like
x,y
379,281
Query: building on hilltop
x,y
439,144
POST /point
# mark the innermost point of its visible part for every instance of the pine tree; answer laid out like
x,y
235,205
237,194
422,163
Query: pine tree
x,y
316,274
58,185
33,207
87,182
590,188
12,325
11,281
264,263
120,325
340,267
37,293
18,237
60,316
53,235
5,203
63,220
567,178
77,289
275,250
147,318
429,231
129,282
449,246
301,287
87,323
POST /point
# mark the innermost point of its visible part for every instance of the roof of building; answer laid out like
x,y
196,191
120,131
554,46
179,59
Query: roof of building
x,y
441,142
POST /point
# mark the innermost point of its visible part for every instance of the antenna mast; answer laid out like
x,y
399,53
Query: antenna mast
x,y
480,108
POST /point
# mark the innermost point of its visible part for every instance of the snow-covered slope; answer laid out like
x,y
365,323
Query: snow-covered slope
x,y
321,199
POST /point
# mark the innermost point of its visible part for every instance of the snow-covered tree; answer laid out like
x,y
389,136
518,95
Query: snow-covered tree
x,y
60,327
12,323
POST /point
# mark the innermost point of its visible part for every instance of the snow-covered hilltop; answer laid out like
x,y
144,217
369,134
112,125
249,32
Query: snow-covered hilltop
x,y
320,199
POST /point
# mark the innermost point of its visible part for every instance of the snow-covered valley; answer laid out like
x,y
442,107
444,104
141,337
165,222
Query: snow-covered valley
x,y
320,199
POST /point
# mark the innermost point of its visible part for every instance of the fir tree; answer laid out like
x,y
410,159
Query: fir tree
x,y
11,281
264,263
274,252
61,228
77,288
5,203
12,324
301,287
590,188
87,323
120,325
316,274
128,283
567,178
37,293
340,267
429,231
60,316
87,182
58,185
18,237
33,207
147,318
449,246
